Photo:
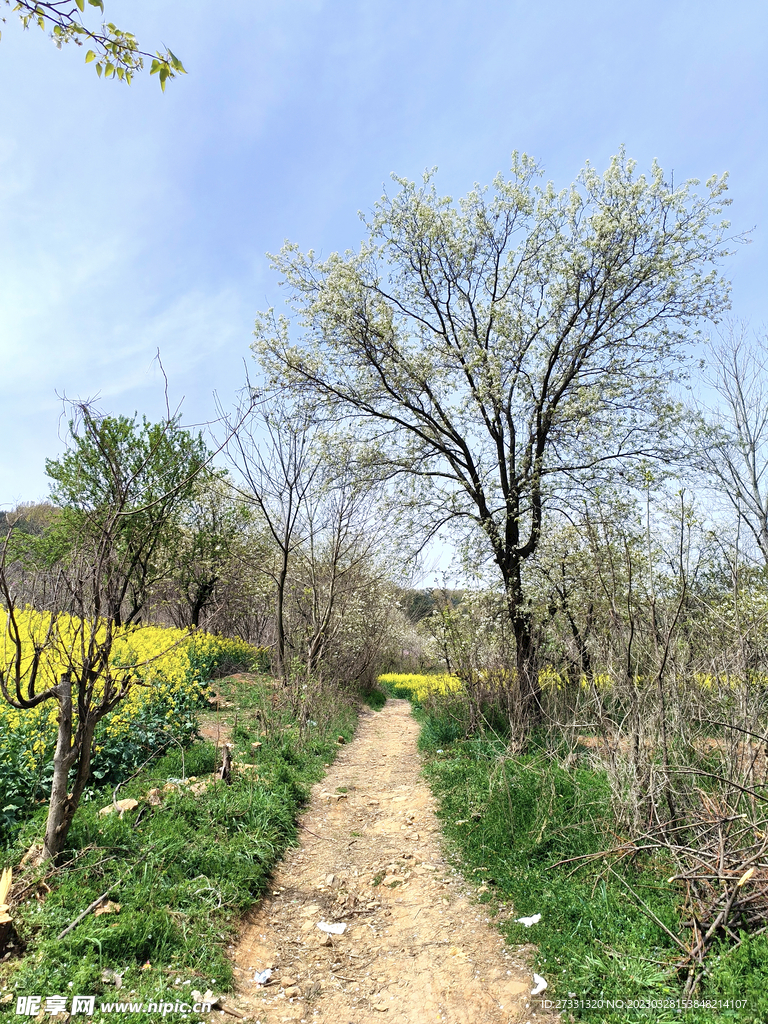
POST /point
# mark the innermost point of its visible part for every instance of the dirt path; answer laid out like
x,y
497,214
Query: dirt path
x,y
415,947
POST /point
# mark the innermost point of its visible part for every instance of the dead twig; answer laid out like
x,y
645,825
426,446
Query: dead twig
x,y
92,906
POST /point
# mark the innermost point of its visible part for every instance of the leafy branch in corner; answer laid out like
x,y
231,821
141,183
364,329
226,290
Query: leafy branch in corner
x,y
116,53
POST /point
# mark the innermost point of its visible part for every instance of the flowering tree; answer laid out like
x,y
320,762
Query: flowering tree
x,y
497,352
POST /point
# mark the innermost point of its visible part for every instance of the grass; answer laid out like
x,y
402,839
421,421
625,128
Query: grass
x,y
183,871
510,820
375,698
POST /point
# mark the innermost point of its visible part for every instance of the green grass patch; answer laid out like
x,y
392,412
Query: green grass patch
x,y
509,821
375,698
183,872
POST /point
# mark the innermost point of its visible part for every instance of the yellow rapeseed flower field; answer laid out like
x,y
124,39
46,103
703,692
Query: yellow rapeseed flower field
x,y
169,668
405,684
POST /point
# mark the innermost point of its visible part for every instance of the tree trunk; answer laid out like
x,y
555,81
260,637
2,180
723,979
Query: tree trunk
x,y
526,661
282,668
59,815
62,806
528,711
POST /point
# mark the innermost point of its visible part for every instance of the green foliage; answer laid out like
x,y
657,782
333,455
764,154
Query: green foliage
x,y
116,52
204,551
123,487
113,462
375,698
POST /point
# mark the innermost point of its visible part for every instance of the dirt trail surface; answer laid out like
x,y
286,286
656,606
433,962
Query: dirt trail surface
x,y
415,947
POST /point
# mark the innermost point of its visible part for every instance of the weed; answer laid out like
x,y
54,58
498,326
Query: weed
x,y
375,698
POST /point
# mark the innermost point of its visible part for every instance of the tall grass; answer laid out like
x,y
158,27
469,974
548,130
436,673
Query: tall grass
x,y
530,830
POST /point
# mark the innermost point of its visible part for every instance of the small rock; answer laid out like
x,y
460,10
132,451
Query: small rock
x,y
107,908
292,991
330,879
311,911
341,740
119,805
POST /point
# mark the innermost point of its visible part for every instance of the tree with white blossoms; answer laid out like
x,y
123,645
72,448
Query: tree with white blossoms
x,y
497,352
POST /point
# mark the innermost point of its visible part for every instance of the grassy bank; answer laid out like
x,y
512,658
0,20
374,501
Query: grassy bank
x,y
182,865
528,831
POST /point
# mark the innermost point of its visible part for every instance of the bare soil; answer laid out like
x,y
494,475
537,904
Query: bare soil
x,y
417,947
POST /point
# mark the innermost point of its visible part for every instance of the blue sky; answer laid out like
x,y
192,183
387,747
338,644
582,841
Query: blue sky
x,y
132,220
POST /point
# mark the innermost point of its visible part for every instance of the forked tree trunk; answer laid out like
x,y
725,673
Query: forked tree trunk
x,y
63,804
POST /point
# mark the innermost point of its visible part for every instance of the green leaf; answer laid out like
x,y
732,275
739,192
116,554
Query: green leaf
x,y
90,56
109,70
178,66
80,5
99,69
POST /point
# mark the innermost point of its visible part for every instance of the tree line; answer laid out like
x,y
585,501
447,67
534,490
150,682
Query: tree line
x,y
506,371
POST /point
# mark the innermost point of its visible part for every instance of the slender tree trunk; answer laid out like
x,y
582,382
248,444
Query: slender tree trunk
x,y
282,668
59,816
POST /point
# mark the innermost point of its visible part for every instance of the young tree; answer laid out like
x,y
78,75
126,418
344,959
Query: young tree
x,y
201,552
272,450
128,483
336,564
120,486
497,351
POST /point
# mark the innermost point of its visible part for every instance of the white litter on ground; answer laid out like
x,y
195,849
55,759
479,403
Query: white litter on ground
x,y
331,929
540,985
